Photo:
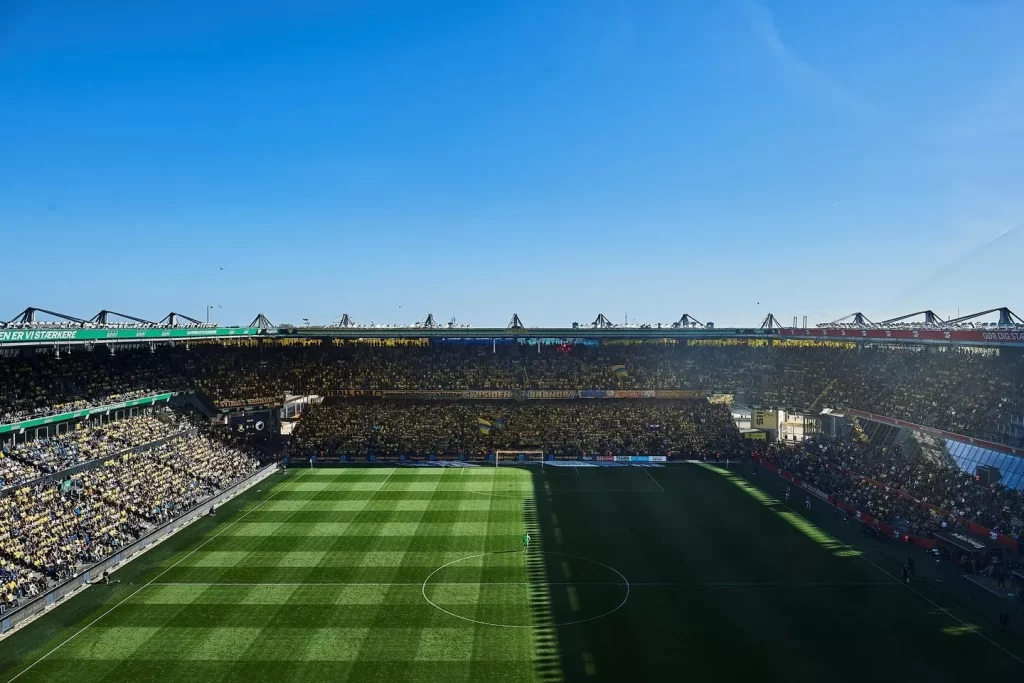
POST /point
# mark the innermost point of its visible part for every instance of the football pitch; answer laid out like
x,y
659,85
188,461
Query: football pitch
x,y
417,574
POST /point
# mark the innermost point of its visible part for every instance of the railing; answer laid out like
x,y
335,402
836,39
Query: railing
x,y
44,601
84,412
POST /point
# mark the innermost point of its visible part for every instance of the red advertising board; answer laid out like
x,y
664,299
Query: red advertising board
x,y
845,334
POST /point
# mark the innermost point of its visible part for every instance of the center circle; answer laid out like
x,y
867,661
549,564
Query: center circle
x,y
585,589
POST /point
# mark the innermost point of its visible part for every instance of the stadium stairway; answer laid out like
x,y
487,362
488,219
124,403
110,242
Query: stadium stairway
x,y
927,446
905,440
883,435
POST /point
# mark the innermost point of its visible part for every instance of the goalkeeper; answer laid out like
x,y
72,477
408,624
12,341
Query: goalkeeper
x,y
526,542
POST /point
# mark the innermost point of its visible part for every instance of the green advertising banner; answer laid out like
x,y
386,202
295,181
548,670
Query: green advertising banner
x,y
52,335
85,412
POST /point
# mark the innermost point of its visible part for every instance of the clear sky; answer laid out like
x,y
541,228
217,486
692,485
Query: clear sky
x,y
553,158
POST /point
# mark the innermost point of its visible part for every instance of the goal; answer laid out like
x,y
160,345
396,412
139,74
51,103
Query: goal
x,y
523,456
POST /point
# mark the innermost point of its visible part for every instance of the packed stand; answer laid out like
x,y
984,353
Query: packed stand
x,y
561,428
49,531
39,385
17,584
169,479
14,471
887,483
967,392
88,441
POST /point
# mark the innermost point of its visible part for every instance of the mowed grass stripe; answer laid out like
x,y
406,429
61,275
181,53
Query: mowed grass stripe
x,y
358,478
285,616
390,495
329,594
469,600
324,535
459,525
284,668
396,535
368,574
347,643
378,513
221,629
386,614
462,504
214,641
303,516
258,557
352,476
397,490
282,556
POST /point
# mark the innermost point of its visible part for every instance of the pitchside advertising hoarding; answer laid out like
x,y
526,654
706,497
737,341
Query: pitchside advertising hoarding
x,y
625,458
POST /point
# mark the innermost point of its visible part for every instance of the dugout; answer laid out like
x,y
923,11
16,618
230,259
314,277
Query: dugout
x,y
980,550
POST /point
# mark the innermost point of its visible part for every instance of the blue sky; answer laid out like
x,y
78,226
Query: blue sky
x,y
557,159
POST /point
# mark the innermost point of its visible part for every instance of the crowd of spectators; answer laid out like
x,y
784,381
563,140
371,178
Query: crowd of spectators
x,y
48,531
913,492
87,441
972,393
170,478
562,428
43,384
18,583
14,471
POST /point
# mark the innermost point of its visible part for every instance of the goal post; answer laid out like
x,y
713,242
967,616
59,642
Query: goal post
x,y
525,455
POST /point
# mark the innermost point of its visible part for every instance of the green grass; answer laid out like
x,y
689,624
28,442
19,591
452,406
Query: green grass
x,y
381,574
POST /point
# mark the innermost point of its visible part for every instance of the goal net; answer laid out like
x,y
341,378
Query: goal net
x,y
511,457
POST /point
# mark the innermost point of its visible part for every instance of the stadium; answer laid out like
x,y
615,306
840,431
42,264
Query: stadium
x,y
186,501
513,342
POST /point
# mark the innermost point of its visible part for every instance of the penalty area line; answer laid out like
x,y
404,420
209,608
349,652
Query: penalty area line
x,y
653,479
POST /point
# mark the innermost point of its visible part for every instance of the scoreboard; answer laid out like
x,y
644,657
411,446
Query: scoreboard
x,y
257,422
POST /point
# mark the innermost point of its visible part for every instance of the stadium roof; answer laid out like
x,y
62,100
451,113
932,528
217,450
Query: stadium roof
x,y
109,326
30,317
